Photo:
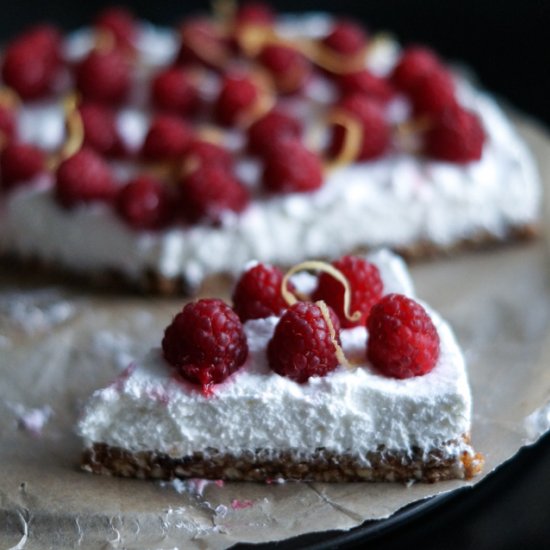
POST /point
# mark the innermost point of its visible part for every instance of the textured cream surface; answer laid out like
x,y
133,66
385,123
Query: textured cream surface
x,y
347,411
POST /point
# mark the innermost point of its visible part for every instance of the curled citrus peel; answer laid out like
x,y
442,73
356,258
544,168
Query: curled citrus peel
x,y
340,355
74,126
104,40
352,138
9,98
332,61
317,265
74,132
213,53
264,102
406,133
292,298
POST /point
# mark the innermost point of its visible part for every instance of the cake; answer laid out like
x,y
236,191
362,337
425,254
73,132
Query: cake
x,y
167,156
296,393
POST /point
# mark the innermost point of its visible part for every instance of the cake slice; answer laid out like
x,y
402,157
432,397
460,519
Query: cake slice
x,y
292,390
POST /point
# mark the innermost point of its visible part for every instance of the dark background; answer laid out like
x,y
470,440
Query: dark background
x,y
507,43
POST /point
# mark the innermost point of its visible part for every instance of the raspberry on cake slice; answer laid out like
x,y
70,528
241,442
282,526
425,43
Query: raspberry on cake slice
x,y
278,386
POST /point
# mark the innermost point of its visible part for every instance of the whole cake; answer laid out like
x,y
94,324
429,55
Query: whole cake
x,y
171,155
364,383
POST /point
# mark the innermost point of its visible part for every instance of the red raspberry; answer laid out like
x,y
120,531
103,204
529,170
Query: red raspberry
x,y
205,342
258,293
346,38
145,203
376,130
255,13
7,124
32,61
104,76
167,139
364,82
83,178
206,153
237,96
291,168
173,91
301,346
209,191
100,130
457,136
415,63
121,23
269,128
433,93
289,69
403,342
366,288
20,163
202,44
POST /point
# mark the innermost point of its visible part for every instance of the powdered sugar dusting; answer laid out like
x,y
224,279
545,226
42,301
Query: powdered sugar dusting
x,y
194,486
31,420
36,310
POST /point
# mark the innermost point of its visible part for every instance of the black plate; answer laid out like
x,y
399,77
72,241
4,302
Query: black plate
x,y
509,509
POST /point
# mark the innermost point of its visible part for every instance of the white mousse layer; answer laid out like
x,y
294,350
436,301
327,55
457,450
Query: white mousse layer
x,y
396,201
348,411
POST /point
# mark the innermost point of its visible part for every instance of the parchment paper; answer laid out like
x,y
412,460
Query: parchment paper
x,y
59,344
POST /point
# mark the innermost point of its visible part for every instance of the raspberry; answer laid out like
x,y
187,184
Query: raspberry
x,y
346,38
255,13
121,23
83,178
258,293
291,168
208,192
167,139
20,163
457,136
145,203
269,128
7,124
433,93
100,130
415,63
32,61
364,82
206,153
205,342
237,96
201,44
104,76
366,288
172,91
403,342
376,131
301,346
289,69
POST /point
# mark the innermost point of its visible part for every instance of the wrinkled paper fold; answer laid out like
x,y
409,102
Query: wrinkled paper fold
x,y
59,344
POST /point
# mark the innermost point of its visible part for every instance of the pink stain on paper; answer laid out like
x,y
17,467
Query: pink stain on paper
x,y
237,504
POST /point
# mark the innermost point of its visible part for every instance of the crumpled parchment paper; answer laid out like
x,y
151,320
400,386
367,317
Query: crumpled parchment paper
x,y
59,344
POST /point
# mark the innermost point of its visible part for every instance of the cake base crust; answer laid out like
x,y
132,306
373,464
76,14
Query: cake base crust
x,y
266,466
154,283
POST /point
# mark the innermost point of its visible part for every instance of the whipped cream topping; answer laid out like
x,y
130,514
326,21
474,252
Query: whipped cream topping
x,y
347,411
396,201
